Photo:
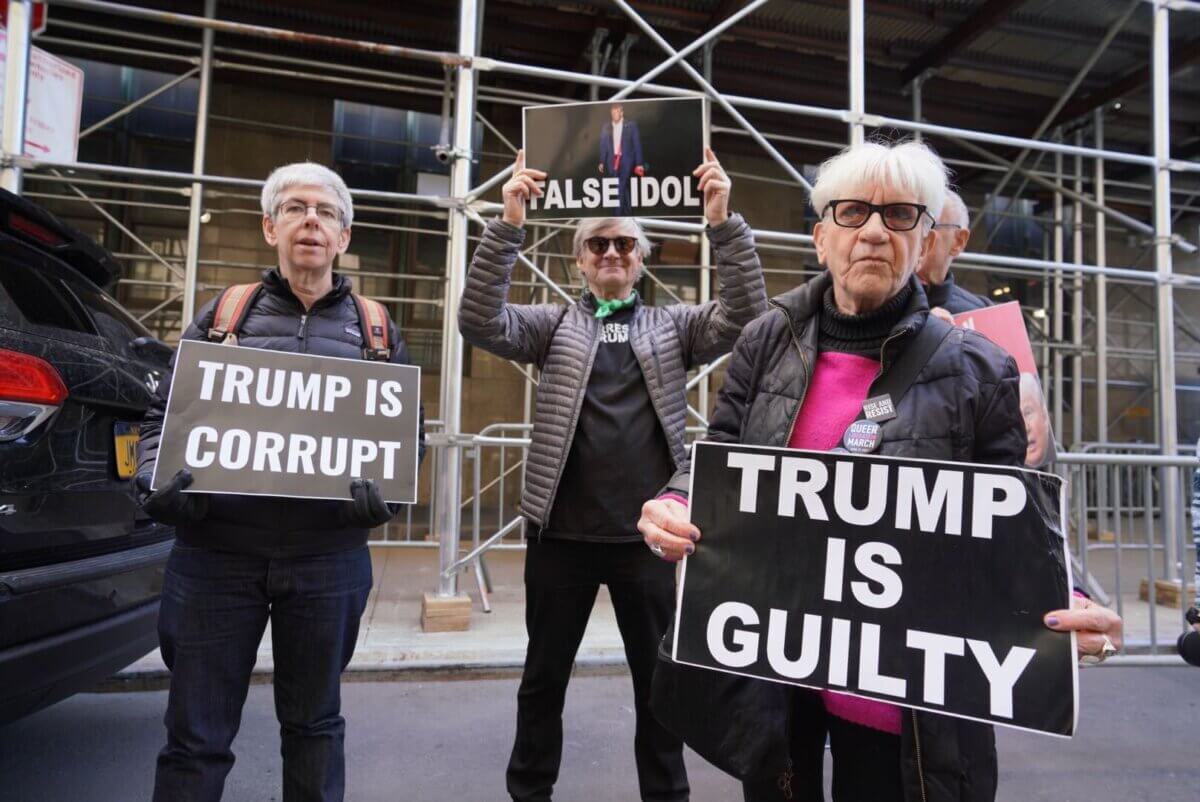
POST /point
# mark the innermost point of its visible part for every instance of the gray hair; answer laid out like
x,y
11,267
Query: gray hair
x,y
957,208
306,174
587,228
909,166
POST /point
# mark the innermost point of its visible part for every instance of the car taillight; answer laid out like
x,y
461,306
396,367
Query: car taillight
x,y
30,391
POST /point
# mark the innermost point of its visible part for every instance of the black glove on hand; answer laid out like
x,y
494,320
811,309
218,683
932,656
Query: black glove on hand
x,y
169,504
366,507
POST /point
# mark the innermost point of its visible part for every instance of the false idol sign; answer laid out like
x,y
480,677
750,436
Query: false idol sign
x,y
913,582
623,158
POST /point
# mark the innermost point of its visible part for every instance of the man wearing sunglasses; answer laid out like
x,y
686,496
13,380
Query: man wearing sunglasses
x,y
952,231
608,433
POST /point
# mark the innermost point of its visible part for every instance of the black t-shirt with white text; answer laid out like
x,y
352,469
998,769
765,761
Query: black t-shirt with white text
x,y
619,456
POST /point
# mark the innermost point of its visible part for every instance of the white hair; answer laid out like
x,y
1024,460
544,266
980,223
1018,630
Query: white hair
x,y
306,174
588,228
910,167
957,208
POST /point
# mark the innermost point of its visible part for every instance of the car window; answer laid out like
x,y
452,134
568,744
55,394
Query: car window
x,y
39,301
114,322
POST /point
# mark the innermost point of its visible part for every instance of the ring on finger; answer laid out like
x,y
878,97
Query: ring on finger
x,y
657,549
1106,649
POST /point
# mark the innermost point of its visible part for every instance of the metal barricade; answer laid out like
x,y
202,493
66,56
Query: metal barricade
x,y
1129,552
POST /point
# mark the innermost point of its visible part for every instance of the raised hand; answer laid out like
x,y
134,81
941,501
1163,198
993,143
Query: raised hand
x,y
519,189
715,184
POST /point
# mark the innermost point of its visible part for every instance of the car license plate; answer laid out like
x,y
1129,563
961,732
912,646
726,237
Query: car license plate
x,y
126,437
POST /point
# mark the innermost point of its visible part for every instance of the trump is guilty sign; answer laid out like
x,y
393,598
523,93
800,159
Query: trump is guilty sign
x,y
907,581
258,422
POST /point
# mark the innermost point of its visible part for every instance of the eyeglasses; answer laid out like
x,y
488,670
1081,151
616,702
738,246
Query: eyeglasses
x,y
599,245
856,213
294,210
947,225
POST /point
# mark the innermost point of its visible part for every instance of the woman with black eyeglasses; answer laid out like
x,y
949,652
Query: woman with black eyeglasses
x,y
607,434
798,378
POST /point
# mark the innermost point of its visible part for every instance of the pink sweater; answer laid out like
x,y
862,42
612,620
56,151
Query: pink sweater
x,y
840,383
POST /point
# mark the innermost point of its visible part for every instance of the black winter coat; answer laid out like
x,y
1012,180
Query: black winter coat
x,y
953,298
962,407
264,525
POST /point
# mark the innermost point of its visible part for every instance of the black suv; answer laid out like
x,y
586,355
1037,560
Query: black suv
x,y
80,566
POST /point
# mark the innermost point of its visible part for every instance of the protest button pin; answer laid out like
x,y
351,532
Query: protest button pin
x,y
862,437
879,408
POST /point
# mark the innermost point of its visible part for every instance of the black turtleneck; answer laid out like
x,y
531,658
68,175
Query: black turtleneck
x,y
860,334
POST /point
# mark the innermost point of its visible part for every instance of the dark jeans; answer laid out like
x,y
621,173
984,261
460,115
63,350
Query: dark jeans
x,y
561,582
866,762
215,607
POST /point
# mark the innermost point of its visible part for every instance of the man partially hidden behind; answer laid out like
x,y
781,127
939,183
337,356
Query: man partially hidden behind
x,y
621,154
953,230
609,426
241,561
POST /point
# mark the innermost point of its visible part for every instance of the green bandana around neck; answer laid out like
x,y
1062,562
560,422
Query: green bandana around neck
x,y
605,308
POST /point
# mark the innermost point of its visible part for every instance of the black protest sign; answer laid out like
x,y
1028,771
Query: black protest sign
x,y
616,158
913,582
269,423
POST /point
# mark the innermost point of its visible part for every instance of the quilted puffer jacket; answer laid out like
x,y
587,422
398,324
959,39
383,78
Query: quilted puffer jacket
x,y
562,341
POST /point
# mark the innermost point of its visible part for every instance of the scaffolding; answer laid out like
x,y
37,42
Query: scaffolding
x,y
1072,186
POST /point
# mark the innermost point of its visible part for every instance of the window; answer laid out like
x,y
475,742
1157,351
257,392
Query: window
x,y
117,325
39,301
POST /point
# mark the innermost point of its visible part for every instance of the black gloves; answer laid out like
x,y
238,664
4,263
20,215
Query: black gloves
x,y
366,509
169,504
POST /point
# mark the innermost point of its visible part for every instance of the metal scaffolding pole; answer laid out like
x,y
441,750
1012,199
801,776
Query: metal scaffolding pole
x,y
196,207
1101,260
449,484
16,89
857,78
1169,431
1056,331
1077,306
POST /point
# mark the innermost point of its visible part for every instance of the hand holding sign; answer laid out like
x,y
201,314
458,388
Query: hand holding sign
x,y
1095,626
169,504
518,189
715,185
666,530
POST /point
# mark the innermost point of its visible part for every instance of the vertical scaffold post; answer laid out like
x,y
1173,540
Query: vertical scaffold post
x,y
447,608
857,71
16,85
196,204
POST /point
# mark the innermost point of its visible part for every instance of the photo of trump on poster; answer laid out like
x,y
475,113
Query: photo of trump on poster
x,y
623,158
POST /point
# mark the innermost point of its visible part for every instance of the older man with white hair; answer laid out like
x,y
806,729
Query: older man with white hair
x,y
608,432
952,231
241,561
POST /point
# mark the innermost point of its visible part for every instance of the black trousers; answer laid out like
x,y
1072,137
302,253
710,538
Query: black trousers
x,y
561,582
866,762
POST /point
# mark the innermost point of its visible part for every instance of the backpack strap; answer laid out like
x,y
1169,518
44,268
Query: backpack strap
x,y
231,311
373,323
901,374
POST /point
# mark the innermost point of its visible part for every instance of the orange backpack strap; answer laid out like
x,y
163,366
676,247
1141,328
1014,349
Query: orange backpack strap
x,y
232,308
373,322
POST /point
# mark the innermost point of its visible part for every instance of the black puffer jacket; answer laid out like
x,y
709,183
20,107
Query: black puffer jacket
x,y
963,407
277,322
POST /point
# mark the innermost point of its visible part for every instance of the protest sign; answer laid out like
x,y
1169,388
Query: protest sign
x,y
1005,326
914,582
269,423
616,159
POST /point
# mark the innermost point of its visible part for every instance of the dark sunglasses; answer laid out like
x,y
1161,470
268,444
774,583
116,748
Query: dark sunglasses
x,y
896,216
599,245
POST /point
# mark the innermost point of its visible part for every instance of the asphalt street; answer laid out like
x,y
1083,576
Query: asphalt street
x,y
432,741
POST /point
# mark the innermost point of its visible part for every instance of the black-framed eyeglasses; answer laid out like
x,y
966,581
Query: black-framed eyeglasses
x,y
327,213
599,245
896,216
